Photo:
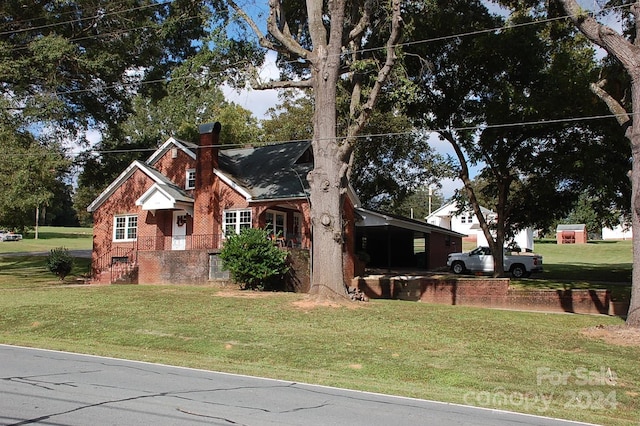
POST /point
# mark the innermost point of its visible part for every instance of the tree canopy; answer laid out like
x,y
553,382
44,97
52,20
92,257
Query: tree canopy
x,y
506,101
31,175
71,64
623,50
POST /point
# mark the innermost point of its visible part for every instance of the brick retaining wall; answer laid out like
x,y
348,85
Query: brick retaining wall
x,y
486,292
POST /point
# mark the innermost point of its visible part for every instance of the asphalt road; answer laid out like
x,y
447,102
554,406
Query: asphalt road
x,y
57,388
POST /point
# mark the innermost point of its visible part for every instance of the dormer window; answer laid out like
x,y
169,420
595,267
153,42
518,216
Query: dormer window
x,y
191,179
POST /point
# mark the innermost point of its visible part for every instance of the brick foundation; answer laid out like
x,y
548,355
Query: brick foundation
x,y
173,267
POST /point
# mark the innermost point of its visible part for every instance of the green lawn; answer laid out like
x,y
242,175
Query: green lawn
x,y
490,358
51,237
598,264
445,353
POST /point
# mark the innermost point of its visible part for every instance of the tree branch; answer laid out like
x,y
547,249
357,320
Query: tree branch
x,y
288,44
614,106
363,23
383,75
604,36
285,39
281,84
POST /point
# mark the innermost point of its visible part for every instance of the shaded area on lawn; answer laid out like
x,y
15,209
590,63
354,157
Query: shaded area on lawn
x,y
32,272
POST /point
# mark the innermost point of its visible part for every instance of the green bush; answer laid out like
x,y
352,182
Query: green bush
x,y
60,262
254,261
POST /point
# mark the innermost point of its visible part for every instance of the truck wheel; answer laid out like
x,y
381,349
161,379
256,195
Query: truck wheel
x,y
457,267
518,271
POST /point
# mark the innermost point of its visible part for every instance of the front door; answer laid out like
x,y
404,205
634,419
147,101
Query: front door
x,y
179,231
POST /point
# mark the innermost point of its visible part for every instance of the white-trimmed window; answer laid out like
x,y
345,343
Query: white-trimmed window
x,y
190,179
235,221
125,227
276,222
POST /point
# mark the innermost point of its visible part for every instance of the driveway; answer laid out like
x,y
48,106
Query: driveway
x,y
58,388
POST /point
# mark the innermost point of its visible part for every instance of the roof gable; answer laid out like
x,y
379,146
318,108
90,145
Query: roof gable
x,y
450,209
260,173
373,218
187,147
153,174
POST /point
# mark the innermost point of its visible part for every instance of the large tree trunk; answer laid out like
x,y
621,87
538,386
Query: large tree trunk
x,y
633,134
327,279
326,180
629,55
633,317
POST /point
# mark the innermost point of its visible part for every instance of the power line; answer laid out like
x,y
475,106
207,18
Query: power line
x,y
386,134
441,38
109,34
8,21
408,43
363,136
98,16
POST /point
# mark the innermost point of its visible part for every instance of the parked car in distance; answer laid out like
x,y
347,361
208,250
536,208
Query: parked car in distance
x,y
9,236
520,264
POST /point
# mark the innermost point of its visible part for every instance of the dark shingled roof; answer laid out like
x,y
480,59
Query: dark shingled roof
x,y
269,172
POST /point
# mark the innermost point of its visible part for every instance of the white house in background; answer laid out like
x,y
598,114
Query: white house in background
x,y
467,223
619,232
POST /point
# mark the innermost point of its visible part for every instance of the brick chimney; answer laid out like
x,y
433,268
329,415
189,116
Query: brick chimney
x,y
206,219
207,153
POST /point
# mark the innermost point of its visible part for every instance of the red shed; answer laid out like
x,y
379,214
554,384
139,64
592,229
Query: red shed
x,y
571,234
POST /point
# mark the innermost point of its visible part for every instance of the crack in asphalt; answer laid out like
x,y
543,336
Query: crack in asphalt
x,y
179,395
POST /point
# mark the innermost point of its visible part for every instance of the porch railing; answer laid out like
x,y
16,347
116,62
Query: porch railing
x,y
187,242
115,255
128,252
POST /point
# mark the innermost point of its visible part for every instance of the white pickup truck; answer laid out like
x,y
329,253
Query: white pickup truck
x,y
9,236
520,264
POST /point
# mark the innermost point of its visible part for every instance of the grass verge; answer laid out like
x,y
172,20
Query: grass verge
x,y
495,359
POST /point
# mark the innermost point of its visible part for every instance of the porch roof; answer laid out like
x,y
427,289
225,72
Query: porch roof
x,y
165,197
372,218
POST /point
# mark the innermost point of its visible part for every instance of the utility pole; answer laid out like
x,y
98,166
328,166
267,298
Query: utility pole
x,y
37,220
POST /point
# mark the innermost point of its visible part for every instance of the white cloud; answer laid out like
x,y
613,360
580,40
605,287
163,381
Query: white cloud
x,y
257,101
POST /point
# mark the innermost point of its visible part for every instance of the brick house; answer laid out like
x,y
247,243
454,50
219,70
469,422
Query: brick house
x,y
165,219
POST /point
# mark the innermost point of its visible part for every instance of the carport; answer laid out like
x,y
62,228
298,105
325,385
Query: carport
x,y
395,242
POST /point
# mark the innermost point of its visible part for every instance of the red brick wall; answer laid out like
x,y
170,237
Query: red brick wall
x,y
206,209
484,292
289,207
349,260
175,168
580,237
122,201
173,267
440,245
